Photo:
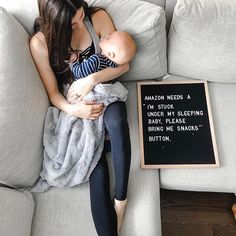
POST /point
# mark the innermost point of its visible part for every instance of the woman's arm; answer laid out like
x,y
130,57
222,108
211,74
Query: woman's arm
x,y
103,26
109,73
40,55
102,23
83,86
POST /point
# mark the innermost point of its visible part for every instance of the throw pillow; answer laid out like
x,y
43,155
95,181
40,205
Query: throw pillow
x,y
202,40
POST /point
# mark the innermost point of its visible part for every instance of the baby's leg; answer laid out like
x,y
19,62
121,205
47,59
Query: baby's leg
x,y
115,119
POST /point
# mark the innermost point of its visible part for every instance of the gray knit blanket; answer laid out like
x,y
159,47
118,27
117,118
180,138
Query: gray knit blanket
x,y
73,146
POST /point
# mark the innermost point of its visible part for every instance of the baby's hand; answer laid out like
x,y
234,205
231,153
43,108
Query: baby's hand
x,y
74,57
80,88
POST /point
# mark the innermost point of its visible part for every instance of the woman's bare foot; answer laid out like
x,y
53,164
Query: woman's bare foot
x,y
120,209
234,210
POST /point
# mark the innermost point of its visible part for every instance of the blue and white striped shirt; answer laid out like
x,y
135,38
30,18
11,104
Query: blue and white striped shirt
x,y
93,64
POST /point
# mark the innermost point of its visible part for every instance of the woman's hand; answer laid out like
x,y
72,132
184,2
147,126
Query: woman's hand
x,y
86,110
80,88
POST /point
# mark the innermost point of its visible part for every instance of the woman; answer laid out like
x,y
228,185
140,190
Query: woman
x,y
67,27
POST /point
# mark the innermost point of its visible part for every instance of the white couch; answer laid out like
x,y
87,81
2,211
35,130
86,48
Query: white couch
x,y
200,45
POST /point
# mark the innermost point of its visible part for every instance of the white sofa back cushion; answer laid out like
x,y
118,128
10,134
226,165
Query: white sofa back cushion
x,y
23,103
202,40
25,11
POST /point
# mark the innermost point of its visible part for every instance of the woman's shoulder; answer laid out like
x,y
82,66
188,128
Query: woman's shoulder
x,y
100,14
38,42
99,11
102,22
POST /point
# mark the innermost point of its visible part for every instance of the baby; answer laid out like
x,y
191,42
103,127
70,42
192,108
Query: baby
x,y
116,49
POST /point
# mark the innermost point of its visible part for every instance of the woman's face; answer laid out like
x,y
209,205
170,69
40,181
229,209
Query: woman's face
x,y
77,21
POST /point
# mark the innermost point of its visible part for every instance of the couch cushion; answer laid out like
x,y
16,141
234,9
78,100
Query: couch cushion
x,y
202,40
16,212
69,209
150,36
60,212
25,11
23,102
222,97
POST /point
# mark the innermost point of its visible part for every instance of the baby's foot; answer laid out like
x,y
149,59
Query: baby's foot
x,y
120,209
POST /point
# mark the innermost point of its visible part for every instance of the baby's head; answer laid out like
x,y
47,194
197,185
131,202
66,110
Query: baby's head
x,y
118,47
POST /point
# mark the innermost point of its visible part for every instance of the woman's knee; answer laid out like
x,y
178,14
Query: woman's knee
x,y
115,116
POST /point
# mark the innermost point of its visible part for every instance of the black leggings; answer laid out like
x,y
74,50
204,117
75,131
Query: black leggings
x,y
104,215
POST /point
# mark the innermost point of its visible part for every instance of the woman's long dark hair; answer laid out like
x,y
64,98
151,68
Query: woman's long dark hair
x,y
54,22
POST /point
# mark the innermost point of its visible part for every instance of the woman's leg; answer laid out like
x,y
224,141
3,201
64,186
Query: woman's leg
x,y
103,211
115,119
